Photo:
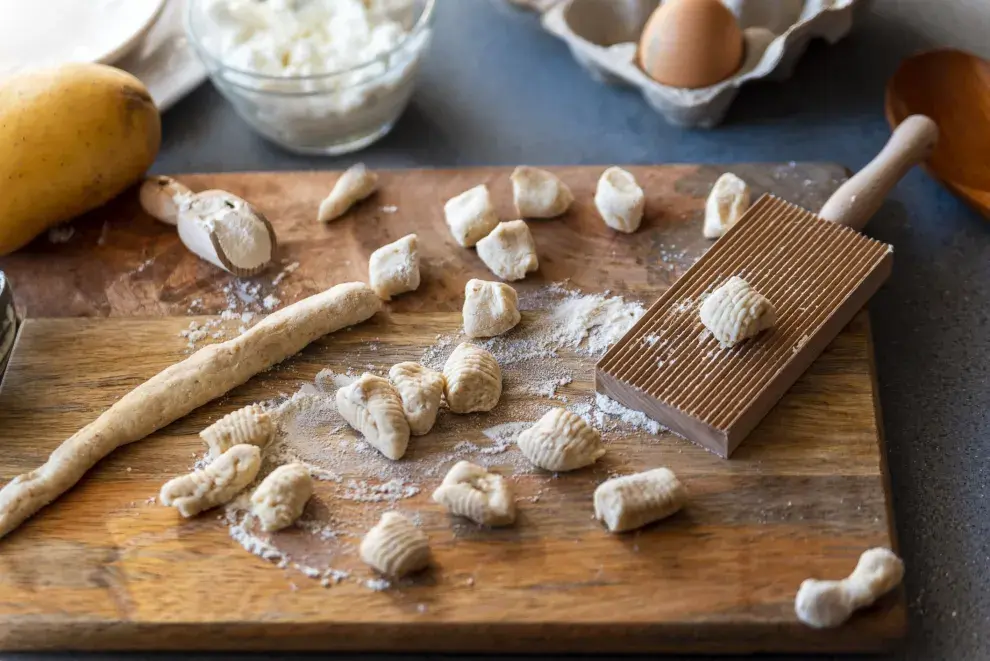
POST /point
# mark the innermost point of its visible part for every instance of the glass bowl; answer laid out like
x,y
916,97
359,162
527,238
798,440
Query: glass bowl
x,y
325,113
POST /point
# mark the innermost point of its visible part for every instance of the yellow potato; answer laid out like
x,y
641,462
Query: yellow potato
x,y
71,139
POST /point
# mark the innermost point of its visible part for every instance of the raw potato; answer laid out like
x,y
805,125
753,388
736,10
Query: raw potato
x,y
421,390
394,268
632,501
735,312
184,387
395,546
373,407
470,491
250,425
726,204
539,193
490,308
218,483
509,250
473,379
281,497
74,137
470,215
823,604
355,184
561,441
620,200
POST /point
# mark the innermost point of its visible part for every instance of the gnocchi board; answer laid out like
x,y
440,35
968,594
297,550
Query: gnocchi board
x,y
103,568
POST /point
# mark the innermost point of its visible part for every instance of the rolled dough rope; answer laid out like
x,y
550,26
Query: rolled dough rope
x,y
183,387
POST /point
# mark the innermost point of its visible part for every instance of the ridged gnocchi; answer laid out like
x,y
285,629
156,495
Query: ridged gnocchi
x,y
470,215
473,379
490,308
250,425
509,250
561,441
394,268
470,491
538,193
620,200
355,184
280,498
395,546
218,483
373,407
735,312
421,390
726,204
632,501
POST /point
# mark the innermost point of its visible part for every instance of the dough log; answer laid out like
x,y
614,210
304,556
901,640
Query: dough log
x,y
182,388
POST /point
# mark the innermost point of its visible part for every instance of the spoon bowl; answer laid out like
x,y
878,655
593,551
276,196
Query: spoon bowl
x,y
953,88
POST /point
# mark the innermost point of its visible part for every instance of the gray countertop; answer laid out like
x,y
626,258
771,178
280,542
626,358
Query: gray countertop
x,y
495,89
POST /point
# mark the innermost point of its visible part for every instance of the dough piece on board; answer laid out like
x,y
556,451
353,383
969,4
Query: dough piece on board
x,y
249,425
471,215
394,268
357,183
726,204
490,308
373,407
184,387
620,200
218,483
280,498
632,501
470,491
473,379
561,441
509,250
395,546
539,193
421,390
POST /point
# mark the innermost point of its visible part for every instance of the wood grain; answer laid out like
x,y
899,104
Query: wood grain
x,y
105,569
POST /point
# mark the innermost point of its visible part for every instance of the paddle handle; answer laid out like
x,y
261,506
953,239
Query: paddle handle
x,y
859,198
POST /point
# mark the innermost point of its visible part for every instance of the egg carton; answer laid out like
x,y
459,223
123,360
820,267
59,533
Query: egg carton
x,y
603,36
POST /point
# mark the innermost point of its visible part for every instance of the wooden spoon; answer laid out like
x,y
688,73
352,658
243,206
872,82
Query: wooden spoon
x,y
953,88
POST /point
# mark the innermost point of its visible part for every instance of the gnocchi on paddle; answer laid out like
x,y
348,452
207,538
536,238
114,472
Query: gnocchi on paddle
x,y
735,312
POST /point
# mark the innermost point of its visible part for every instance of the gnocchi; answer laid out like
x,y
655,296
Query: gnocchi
x,y
373,407
490,308
509,250
823,604
632,501
470,491
473,379
735,312
421,390
394,268
250,425
354,185
218,483
470,215
280,498
539,193
395,546
620,200
561,441
726,204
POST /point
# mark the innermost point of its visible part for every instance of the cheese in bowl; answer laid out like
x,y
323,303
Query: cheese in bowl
x,y
315,76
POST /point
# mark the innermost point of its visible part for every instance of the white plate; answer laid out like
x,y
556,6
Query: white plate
x,y
40,33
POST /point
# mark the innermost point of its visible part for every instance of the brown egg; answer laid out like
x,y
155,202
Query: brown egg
x,y
691,43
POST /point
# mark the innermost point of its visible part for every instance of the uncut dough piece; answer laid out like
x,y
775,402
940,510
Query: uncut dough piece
x,y
395,546
539,193
632,501
735,312
490,308
250,425
825,604
470,491
726,204
421,390
394,268
473,379
357,183
471,215
281,497
620,200
183,387
509,250
218,483
373,407
561,441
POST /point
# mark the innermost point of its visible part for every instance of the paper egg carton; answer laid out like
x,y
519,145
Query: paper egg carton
x,y
603,36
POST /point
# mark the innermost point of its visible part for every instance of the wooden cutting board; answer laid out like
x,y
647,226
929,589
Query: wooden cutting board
x,y
103,568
